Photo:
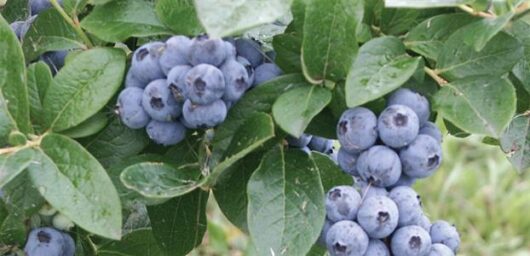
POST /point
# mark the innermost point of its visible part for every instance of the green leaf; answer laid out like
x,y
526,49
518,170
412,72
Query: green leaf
x,y
179,16
381,66
286,203
75,184
115,143
120,19
398,21
428,37
521,30
83,87
7,124
479,33
160,180
329,43
423,3
228,18
39,79
330,172
179,224
74,7
515,142
21,196
89,127
13,77
13,164
294,110
253,133
49,32
459,60
287,47
259,99
319,125
12,229
230,190
482,105
15,10
140,242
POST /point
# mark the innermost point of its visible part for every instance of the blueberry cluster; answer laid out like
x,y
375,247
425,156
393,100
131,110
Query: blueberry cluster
x,y
381,214
54,59
50,242
188,83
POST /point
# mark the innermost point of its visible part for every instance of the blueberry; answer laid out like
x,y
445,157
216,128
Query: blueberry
x,y
368,190
322,238
204,116
266,72
145,62
346,238
413,100
357,129
159,103
37,6
430,128
320,144
21,27
411,241
404,180
398,126
45,241
166,133
130,108
132,81
248,67
425,223
250,50
230,50
236,80
444,233
422,157
205,84
409,205
175,53
176,81
68,245
55,60
377,247
379,166
342,203
440,250
301,142
348,162
207,51
378,216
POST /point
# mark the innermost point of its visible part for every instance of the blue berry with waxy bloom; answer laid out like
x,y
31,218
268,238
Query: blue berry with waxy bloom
x,y
346,238
176,81
422,157
409,205
445,233
398,126
175,53
378,216
415,101
205,50
159,103
204,116
342,203
166,133
205,84
357,129
130,108
411,241
379,166
145,62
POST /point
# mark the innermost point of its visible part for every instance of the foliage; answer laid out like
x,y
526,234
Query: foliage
x,y
59,144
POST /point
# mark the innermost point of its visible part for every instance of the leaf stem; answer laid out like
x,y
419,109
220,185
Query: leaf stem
x,y
29,144
434,75
74,25
472,11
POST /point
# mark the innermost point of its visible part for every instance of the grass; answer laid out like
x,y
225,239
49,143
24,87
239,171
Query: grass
x,y
476,189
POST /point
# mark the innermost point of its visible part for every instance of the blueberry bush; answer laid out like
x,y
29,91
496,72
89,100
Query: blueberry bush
x,y
307,121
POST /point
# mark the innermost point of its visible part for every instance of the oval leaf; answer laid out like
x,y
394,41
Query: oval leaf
x,y
229,17
75,184
483,105
515,142
120,19
13,164
89,127
39,79
180,16
179,224
285,203
329,44
160,180
381,66
459,60
83,87
140,242
13,78
294,110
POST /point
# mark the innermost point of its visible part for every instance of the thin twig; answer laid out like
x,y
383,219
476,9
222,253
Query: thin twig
x,y
75,26
434,75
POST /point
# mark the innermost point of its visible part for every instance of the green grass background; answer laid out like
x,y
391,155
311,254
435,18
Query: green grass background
x,y
476,188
